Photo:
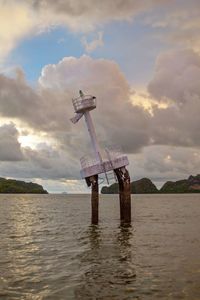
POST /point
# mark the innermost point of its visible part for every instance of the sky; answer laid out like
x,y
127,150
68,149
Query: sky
x,y
141,59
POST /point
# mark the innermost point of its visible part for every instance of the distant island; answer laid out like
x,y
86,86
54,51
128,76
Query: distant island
x,y
11,186
146,186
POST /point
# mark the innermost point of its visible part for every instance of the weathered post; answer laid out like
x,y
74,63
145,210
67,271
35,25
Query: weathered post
x,y
93,182
124,194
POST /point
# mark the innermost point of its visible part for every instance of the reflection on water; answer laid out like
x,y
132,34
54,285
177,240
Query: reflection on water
x,y
49,250
109,269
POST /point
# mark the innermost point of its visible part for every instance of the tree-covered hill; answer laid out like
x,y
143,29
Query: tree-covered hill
x,y
142,186
146,186
190,185
11,186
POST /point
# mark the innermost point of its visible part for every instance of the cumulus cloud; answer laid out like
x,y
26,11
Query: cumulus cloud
x,y
48,109
177,76
177,81
39,108
10,149
104,79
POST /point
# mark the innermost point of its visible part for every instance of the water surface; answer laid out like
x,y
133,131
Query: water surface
x,y
50,251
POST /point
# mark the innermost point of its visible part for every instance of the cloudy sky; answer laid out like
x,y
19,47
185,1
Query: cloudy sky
x,y
141,59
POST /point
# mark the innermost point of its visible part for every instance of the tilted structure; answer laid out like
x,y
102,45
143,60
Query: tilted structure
x,y
101,161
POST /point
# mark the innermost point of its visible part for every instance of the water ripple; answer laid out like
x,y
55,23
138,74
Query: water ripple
x,y
49,250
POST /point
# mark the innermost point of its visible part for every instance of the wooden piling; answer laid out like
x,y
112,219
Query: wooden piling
x,y
124,194
93,182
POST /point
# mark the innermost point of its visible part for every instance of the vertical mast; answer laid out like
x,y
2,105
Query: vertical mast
x,y
93,136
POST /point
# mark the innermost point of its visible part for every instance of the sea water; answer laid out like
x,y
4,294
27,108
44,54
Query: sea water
x,y
49,250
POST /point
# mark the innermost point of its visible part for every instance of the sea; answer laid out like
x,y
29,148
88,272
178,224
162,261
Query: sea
x,y
50,250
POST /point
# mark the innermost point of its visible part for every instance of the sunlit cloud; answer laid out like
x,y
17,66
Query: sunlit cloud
x,y
16,22
143,99
33,141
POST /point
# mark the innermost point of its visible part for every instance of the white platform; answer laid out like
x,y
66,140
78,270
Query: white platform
x,y
106,166
84,103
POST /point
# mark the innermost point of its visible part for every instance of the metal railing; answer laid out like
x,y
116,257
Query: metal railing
x,y
89,161
82,103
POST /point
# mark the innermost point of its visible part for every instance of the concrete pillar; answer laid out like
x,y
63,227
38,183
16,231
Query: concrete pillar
x,y
124,194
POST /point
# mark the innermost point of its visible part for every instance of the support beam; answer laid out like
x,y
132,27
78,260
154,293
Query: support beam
x,y
124,194
93,182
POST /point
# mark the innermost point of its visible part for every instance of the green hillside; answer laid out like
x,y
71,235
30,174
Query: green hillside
x,y
11,186
146,186
142,186
190,185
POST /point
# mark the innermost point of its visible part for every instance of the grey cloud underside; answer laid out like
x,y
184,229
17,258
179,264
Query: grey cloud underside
x,y
105,9
50,164
179,23
177,80
115,118
10,149
117,121
40,109
44,162
165,162
48,108
131,127
61,168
